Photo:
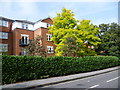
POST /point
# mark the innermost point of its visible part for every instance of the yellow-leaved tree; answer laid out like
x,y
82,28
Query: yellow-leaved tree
x,y
73,37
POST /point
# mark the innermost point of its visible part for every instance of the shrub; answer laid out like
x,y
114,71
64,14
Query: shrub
x,y
22,68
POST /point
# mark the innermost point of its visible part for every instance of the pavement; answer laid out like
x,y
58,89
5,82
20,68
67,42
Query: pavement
x,y
54,80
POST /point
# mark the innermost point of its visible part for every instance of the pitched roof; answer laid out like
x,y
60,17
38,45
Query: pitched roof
x,y
42,19
3,18
45,18
25,21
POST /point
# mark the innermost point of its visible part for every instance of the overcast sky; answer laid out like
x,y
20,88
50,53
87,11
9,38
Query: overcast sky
x,y
98,11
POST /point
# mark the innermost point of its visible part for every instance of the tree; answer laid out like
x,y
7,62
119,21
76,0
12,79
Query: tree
x,y
102,29
35,48
88,33
110,39
69,46
70,37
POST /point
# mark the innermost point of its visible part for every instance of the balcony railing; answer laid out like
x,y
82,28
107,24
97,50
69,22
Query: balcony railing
x,y
23,43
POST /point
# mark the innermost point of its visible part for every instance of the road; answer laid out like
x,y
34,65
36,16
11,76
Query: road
x,y
109,80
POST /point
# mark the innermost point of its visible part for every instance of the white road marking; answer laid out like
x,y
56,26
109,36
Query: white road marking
x,y
112,79
94,86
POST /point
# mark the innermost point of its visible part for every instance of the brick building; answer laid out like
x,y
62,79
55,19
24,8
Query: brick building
x,y
16,34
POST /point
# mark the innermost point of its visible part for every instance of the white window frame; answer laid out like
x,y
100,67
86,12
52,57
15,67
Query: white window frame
x,y
23,51
86,41
48,36
4,23
3,47
3,35
24,26
50,49
48,25
92,47
24,35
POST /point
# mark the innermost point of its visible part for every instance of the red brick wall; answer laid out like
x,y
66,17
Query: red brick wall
x,y
46,43
10,38
17,36
42,32
45,31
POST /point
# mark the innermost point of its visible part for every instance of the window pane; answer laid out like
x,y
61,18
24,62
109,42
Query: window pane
x,y
26,40
3,35
0,34
4,47
23,26
0,47
0,22
47,24
50,49
6,35
49,37
3,23
22,40
26,26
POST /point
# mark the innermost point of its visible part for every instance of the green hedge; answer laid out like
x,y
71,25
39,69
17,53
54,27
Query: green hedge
x,y
22,68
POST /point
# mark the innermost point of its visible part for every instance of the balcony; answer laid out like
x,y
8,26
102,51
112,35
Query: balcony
x,y
23,42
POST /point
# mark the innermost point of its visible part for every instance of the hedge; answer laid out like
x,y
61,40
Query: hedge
x,y
23,68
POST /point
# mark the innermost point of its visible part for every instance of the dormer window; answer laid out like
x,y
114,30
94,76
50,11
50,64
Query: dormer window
x,y
48,25
24,26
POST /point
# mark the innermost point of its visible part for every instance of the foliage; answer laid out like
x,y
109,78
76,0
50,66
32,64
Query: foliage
x,y
88,34
110,39
70,35
22,68
35,47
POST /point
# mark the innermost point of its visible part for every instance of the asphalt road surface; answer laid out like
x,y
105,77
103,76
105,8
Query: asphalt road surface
x,y
110,80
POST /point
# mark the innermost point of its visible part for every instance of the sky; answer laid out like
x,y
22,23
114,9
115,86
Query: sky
x,y
98,11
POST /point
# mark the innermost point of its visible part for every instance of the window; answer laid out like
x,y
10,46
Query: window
x,y
23,51
48,25
86,41
3,47
25,26
48,37
92,47
50,49
0,22
3,35
24,39
4,23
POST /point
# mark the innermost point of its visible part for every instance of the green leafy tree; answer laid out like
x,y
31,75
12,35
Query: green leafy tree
x,y
102,29
88,34
70,37
69,46
35,48
110,39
